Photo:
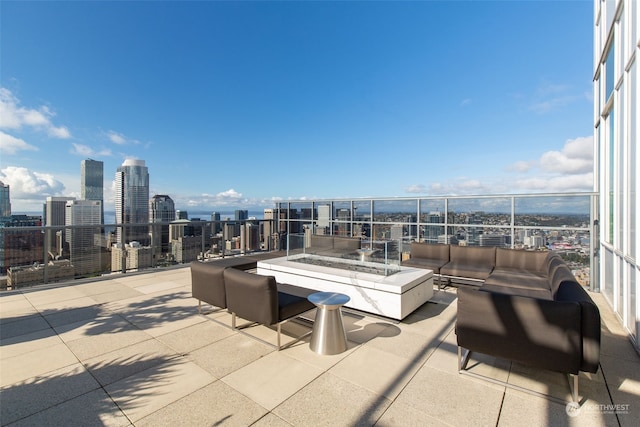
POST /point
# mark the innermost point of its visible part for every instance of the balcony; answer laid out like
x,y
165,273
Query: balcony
x,y
132,349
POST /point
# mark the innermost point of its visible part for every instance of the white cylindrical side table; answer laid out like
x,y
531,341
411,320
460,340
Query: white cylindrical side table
x,y
328,336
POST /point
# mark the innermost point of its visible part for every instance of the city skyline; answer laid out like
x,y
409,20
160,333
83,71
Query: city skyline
x,y
245,104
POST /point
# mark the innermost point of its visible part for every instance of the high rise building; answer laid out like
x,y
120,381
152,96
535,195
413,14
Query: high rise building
x,y
92,182
132,201
216,227
84,242
5,200
161,210
616,94
241,214
55,212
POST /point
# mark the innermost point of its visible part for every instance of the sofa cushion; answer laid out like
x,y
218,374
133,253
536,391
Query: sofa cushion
x,y
465,270
539,292
430,264
518,279
521,260
430,251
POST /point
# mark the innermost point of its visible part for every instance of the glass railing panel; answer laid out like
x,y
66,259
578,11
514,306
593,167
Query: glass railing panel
x,y
395,210
342,210
362,210
489,210
432,210
432,233
552,211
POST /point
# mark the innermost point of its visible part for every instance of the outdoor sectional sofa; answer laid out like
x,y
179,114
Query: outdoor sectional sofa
x,y
526,307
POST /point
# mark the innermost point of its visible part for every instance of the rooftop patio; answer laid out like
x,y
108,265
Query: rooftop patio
x,y
133,350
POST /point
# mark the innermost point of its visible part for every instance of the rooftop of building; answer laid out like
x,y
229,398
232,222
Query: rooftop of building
x,y
133,350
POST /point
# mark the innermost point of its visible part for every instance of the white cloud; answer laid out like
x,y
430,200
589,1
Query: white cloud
x,y
10,144
225,198
14,116
567,170
465,102
116,138
30,185
576,157
86,151
417,189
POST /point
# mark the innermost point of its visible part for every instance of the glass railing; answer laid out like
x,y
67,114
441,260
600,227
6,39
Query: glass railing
x,y
383,229
34,255
565,223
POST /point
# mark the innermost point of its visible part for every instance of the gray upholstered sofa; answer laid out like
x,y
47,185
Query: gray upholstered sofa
x,y
527,307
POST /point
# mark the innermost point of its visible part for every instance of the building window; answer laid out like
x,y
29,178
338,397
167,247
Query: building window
x,y
609,71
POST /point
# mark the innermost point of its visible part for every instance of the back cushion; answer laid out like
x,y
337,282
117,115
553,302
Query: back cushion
x,y
252,296
534,261
430,251
473,254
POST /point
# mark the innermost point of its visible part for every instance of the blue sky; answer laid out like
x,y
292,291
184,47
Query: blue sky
x,y
244,103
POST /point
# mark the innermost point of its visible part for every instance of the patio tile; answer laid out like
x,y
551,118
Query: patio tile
x,y
399,414
272,379
94,345
381,372
67,304
408,344
229,354
22,325
38,393
452,398
518,406
65,317
271,420
556,384
157,286
14,307
623,379
92,409
107,323
224,406
361,329
303,353
148,391
113,366
35,363
195,336
331,401
26,343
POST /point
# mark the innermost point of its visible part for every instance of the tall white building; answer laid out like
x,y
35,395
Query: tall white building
x,y
132,201
616,56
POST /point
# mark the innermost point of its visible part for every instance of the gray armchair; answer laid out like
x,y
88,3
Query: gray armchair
x,y
256,298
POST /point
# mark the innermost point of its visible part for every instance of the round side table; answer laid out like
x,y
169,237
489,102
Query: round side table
x,y
328,336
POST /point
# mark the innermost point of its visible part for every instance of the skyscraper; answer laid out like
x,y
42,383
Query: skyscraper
x,y
161,210
84,242
132,201
92,182
5,200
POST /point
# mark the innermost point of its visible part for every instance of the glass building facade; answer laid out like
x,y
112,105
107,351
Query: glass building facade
x,y
132,201
615,81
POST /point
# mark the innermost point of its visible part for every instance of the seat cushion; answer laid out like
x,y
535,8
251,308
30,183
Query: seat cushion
x,y
465,270
431,264
291,305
